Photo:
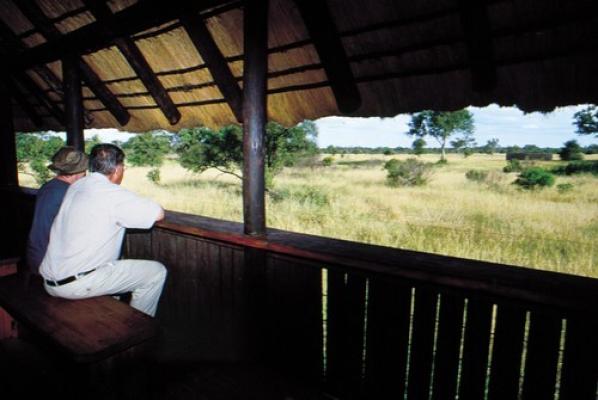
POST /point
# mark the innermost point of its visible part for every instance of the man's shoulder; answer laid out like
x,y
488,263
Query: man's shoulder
x,y
52,186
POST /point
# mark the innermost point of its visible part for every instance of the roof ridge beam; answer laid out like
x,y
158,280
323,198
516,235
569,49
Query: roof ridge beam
x,y
480,46
45,26
213,58
322,30
137,61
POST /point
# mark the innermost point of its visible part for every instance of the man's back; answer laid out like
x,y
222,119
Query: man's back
x,y
89,228
48,201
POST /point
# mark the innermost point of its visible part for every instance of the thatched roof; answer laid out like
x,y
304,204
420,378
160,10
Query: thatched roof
x,y
401,57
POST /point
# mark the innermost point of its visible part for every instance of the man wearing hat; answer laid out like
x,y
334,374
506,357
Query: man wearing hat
x,y
69,165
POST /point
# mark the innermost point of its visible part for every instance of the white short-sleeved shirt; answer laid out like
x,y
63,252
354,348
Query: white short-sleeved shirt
x,y
89,228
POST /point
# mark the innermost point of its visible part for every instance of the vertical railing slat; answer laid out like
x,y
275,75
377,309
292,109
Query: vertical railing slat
x,y
422,344
446,364
475,350
506,353
542,357
346,306
295,318
389,306
579,376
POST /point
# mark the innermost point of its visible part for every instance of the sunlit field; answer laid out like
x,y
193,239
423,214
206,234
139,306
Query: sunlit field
x,y
545,229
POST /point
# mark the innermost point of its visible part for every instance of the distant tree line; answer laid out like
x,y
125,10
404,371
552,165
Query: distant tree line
x,y
528,148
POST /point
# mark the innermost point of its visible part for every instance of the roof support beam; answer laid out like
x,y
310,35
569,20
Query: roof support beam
x,y
73,102
322,30
8,150
214,60
36,16
135,58
255,23
478,37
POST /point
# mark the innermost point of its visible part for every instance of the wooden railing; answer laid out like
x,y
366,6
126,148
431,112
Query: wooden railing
x,y
365,321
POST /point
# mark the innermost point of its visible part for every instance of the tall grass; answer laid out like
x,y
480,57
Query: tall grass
x,y
451,215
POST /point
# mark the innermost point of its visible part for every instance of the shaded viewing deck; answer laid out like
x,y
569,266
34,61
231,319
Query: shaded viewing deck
x,y
299,316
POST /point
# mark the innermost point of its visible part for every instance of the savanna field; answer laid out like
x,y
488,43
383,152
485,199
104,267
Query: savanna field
x,y
548,229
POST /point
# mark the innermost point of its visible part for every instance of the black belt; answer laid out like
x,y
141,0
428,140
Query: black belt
x,y
69,279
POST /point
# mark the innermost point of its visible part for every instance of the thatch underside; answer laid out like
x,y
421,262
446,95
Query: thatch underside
x,y
404,57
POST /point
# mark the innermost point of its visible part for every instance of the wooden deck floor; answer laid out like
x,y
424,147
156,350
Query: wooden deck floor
x,y
28,370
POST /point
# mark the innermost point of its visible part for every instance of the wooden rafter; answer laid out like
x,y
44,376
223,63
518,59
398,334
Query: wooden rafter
x,y
322,30
215,61
135,58
26,82
97,35
24,103
478,37
36,16
12,46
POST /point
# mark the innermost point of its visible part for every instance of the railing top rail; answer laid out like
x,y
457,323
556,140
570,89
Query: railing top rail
x,y
547,288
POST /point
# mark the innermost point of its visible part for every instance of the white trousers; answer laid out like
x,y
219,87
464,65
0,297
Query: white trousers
x,y
143,278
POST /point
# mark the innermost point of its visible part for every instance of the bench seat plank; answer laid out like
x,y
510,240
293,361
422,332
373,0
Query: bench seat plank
x,y
88,330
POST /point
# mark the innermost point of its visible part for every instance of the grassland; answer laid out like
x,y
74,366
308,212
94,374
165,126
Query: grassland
x,y
497,222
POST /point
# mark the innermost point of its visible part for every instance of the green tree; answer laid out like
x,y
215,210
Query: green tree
x,y
491,146
95,139
202,148
147,149
441,126
571,151
464,144
418,146
37,151
586,121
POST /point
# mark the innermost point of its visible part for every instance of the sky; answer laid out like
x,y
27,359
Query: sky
x,y
510,125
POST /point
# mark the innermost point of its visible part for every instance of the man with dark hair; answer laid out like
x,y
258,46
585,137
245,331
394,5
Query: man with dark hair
x,y
86,237
70,166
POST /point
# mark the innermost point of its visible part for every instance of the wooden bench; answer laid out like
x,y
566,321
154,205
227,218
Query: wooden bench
x,y
86,331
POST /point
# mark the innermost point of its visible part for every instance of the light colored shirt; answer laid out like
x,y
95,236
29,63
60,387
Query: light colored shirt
x,y
89,228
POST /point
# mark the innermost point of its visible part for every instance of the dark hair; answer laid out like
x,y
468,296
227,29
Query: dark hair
x,y
104,158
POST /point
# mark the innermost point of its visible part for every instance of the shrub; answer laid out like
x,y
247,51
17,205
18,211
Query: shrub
x,y
305,195
410,172
564,187
154,175
513,165
535,177
327,161
476,175
577,167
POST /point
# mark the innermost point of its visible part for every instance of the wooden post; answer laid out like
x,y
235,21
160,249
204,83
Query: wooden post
x,y
8,151
254,114
73,102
